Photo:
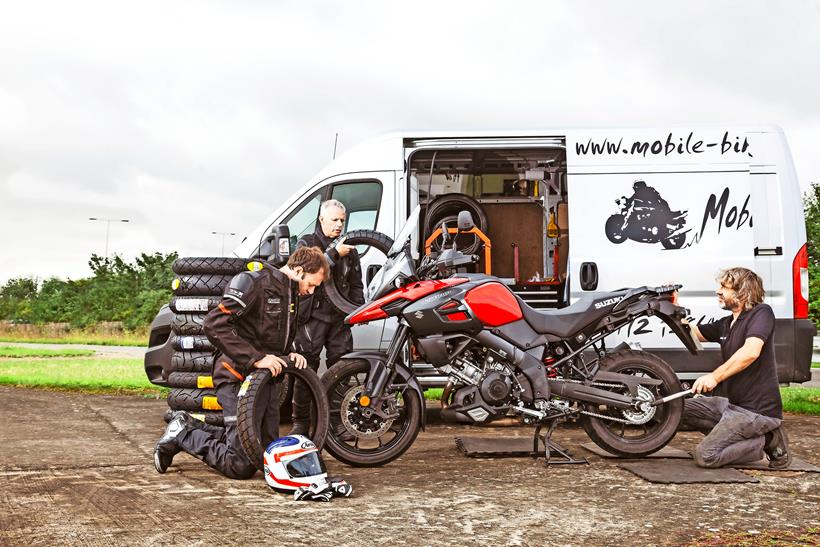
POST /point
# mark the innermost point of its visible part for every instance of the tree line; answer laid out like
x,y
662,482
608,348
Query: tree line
x,y
130,292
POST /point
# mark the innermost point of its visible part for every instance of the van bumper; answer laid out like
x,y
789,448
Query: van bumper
x,y
792,349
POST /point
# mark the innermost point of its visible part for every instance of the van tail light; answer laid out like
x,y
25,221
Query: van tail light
x,y
800,283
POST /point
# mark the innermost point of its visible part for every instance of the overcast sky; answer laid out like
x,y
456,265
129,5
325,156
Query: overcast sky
x,y
193,117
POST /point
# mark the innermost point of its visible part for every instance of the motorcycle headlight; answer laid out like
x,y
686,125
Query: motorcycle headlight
x,y
398,282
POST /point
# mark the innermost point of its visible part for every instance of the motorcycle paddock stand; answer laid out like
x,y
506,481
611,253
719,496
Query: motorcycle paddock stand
x,y
551,446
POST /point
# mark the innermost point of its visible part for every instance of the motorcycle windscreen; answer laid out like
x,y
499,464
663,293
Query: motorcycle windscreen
x,y
658,228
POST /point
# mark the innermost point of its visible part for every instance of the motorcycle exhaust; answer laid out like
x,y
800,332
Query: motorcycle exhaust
x,y
589,394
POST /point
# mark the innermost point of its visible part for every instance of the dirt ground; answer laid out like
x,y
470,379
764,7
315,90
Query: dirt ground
x,y
76,469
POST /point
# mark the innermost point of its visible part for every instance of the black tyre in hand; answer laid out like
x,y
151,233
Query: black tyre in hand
x,y
636,433
374,239
253,397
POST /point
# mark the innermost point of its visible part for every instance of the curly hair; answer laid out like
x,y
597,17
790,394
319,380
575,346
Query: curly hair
x,y
310,259
747,284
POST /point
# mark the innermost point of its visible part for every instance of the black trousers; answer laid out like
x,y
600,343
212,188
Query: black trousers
x,y
220,447
311,337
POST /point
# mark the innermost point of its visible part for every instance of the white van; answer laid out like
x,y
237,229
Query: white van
x,y
573,212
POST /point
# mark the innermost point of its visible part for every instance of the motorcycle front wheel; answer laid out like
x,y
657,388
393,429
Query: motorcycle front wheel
x,y
636,433
613,229
356,435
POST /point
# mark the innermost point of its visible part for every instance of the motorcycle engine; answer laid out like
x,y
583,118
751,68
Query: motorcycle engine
x,y
495,388
487,391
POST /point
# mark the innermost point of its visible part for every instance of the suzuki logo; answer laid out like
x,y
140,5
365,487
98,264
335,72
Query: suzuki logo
x,y
419,314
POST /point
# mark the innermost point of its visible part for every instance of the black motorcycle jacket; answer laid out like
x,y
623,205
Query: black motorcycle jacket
x,y
347,276
257,316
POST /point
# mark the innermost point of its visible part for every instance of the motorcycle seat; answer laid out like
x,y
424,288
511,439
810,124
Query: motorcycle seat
x,y
566,322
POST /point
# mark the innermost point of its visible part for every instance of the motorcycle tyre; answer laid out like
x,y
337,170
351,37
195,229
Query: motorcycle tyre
x,y
446,207
613,229
248,427
341,451
597,428
225,265
374,239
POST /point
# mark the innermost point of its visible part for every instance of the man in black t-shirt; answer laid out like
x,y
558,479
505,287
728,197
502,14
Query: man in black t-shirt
x,y
747,423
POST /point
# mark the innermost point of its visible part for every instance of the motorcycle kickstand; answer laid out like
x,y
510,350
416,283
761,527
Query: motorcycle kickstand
x,y
550,446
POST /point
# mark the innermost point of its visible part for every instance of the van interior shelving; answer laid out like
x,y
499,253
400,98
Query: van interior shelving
x,y
523,195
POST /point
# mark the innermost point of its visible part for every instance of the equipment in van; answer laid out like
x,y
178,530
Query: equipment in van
x,y
502,358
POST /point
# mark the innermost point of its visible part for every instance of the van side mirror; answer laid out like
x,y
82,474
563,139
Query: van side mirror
x,y
276,246
465,221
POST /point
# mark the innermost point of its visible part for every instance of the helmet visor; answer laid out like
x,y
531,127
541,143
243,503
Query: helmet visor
x,y
307,466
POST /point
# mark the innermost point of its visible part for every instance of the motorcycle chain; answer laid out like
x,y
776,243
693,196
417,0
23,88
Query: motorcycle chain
x,y
603,417
595,414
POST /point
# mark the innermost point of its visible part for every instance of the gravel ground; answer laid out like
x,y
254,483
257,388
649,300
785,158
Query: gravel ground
x,y
76,469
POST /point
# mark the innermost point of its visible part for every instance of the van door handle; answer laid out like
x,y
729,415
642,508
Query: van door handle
x,y
589,276
371,271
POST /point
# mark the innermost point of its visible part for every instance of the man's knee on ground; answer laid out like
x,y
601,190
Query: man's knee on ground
x,y
240,471
706,456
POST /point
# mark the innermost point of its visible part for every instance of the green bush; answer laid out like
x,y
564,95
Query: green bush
x,y
117,291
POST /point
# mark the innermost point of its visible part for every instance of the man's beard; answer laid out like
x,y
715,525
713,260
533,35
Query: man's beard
x,y
729,304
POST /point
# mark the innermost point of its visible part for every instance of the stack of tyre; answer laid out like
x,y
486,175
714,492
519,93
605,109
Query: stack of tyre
x,y
198,288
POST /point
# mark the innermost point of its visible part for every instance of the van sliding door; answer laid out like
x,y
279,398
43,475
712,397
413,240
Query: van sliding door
x,y
659,221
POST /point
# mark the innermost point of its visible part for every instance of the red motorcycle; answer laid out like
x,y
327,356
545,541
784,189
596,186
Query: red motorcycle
x,y
503,358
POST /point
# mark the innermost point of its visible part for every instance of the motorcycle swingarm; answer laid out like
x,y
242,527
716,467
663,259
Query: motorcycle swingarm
x,y
379,376
631,382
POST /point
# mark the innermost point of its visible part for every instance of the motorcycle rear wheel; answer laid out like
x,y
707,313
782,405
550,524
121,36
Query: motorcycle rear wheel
x,y
635,440
362,441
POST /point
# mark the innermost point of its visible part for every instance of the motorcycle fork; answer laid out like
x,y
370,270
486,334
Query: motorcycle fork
x,y
381,377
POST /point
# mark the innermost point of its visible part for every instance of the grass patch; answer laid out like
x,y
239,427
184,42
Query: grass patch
x,y
815,365
91,339
433,394
801,400
95,375
16,352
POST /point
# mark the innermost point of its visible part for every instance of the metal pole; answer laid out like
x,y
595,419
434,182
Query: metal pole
x,y
223,234
108,222
335,142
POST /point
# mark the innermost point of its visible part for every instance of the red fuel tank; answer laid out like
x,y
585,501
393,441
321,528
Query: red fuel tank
x,y
493,304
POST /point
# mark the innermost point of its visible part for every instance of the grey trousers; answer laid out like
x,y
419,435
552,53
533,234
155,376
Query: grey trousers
x,y
220,447
733,434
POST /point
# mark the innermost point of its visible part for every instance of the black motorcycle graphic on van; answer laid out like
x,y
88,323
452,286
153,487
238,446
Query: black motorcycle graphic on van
x,y
647,218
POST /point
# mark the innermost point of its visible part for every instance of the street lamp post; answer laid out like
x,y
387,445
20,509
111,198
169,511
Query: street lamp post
x,y
108,222
223,234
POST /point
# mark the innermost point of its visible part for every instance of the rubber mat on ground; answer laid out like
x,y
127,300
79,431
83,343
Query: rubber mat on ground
x,y
796,465
497,447
678,471
665,452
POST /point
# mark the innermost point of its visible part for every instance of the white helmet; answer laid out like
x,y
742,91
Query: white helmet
x,y
293,462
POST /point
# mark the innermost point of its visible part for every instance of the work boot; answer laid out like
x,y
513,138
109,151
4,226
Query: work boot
x,y
299,428
167,446
777,448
